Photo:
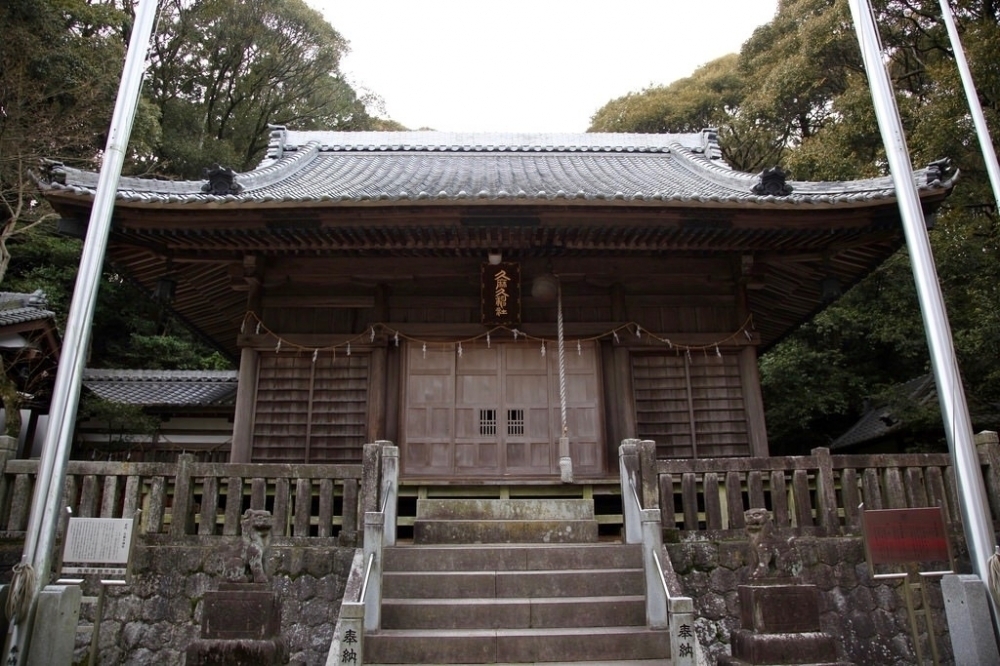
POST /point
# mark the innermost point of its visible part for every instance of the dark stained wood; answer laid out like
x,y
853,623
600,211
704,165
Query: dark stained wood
x,y
311,411
692,407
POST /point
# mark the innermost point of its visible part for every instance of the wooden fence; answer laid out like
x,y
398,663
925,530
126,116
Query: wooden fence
x,y
206,499
820,493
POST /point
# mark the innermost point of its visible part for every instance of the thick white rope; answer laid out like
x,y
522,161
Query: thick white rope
x,y
562,359
22,586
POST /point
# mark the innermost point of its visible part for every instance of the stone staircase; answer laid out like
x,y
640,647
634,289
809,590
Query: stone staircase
x,y
528,599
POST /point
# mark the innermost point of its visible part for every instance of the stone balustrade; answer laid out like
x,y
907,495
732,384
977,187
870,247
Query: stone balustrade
x,y
205,499
819,494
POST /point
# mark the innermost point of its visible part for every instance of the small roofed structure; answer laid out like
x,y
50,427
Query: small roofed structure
x,y
29,350
190,412
411,286
905,416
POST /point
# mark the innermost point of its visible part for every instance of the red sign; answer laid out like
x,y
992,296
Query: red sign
x,y
500,294
905,536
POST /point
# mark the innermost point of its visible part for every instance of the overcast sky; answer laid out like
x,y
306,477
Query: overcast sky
x,y
528,65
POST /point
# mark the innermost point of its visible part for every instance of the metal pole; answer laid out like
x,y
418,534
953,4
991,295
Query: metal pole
x,y
982,131
955,411
47,498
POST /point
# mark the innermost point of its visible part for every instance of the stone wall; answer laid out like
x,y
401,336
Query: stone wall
x,y
867,617
155,618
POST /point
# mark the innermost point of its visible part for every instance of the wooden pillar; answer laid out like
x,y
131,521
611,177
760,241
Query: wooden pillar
x,y
246,391
753,400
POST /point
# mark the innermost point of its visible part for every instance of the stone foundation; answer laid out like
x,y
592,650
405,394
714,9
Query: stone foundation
x,y
160,614
866,617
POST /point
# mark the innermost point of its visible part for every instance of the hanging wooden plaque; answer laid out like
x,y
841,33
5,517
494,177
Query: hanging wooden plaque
x,y
500,294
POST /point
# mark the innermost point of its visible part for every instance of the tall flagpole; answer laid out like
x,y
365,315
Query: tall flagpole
x,y
976,109
951,396
46,504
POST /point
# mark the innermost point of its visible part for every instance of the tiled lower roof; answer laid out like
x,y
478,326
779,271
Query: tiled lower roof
x,y
880,420
181,388
17,308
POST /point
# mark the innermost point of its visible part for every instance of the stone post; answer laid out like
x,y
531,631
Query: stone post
x,y
988,447
181,516
374,528
683,642
348,646
390,485
826,494
628,463
369,477
650,491
652,544
967,609
56,617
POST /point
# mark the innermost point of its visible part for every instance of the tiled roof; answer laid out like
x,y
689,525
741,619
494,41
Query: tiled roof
x,y
880,420
18,308
181,388
395,168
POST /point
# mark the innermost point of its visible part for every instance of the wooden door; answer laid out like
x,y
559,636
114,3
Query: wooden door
x,y
495,411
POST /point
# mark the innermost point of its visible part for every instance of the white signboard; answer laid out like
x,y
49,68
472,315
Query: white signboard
x,y
98,541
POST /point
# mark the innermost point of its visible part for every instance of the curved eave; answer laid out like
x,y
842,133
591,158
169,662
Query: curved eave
x,y
84,197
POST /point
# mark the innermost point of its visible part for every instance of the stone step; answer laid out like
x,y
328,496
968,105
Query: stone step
x,y
503,557
512,584
603,662
465,646
477,520
505,509
514,613
504,531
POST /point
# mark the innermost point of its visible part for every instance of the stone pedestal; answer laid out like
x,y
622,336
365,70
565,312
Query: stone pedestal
x,y
241,624
780,625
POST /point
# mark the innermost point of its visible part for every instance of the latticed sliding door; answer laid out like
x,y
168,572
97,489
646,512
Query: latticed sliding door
x,y
310,411
495,411
691,406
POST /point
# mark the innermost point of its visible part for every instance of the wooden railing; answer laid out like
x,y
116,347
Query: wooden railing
x,y
820,493
193,498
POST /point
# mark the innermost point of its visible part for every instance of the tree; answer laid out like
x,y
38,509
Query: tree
x,y
876,330
59,70
797,95
223,70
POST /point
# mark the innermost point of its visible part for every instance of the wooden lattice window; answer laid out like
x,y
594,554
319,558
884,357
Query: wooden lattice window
x,y
691,406
311,411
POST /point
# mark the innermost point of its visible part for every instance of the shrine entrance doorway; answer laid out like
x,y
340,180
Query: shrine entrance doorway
x,y
494,410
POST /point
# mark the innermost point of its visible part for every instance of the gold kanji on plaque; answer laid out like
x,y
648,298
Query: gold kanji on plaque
x,y
500,294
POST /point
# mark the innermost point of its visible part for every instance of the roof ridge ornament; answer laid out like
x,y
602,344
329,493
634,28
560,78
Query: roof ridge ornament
x,y
710,143
276,141
221,181
936,170
771,182
54,171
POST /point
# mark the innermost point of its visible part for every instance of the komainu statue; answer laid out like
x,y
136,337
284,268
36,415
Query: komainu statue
x,y
759,525
256,524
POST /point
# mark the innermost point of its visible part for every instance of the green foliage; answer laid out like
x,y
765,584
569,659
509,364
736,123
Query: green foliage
x,y
877,328
122,422
687,105
222,71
